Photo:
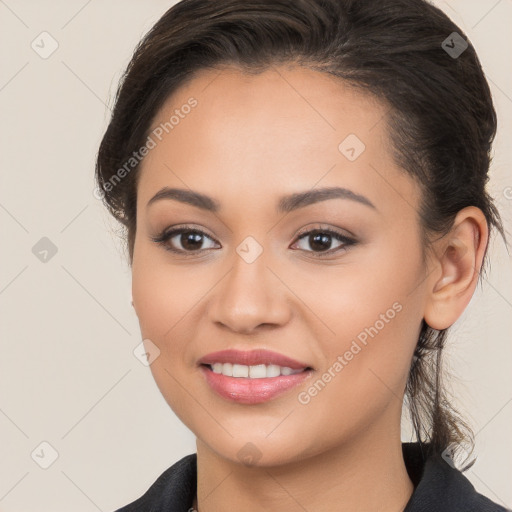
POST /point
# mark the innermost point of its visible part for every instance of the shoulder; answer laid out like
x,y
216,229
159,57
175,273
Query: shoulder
x,y
173,490
441,487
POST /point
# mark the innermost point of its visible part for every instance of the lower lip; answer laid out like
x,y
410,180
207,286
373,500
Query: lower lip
x,y
252,391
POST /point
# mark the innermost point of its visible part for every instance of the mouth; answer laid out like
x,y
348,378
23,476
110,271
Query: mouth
x,y
258,371
252,377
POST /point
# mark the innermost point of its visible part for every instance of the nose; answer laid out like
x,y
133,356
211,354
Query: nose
x,y
250,297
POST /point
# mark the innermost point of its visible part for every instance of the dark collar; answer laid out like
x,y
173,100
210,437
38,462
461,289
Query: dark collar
x,y
438,487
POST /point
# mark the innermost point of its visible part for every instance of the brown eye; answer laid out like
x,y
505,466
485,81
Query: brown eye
x,y
184,240
321,240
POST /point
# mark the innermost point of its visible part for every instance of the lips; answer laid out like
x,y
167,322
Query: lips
x,y
247,390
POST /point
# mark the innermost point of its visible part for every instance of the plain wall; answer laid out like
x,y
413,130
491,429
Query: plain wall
x,y
68,375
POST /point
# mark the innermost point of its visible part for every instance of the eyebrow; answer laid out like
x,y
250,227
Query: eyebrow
x,y
285,204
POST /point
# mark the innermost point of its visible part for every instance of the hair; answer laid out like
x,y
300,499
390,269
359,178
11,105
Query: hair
x,y
441,120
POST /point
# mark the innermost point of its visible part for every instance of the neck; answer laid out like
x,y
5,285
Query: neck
x,y
370,474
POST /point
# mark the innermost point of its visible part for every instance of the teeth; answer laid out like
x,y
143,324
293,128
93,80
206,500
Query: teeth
x,y
258,371
273,370
227,369
240,370
217,367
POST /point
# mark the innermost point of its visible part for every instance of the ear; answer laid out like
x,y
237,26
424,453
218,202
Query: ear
x,y
454,270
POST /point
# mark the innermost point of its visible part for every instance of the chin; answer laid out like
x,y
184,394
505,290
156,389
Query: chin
x,y
258,450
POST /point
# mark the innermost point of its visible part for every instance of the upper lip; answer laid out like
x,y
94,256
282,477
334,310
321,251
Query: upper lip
x,y
252,358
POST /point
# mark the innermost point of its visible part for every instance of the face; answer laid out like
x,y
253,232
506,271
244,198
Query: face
x,y
332,281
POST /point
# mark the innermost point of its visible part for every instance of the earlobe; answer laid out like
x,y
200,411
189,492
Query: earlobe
x,y
453,280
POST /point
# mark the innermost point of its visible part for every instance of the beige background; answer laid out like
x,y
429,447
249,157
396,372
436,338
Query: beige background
x,y
68,375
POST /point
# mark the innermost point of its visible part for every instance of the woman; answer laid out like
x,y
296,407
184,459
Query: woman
x,y
303,190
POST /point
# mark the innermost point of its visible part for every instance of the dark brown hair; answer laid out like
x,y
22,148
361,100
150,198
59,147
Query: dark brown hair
x,y
441,118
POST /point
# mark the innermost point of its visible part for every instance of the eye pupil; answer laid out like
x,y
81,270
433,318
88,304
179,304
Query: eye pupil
x,y
321,241
191,240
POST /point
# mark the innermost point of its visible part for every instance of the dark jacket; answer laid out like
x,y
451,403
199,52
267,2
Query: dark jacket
x,y
438,487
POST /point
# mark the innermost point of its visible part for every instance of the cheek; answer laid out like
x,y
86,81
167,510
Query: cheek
x,y
163,304
168,300
366,368
163,294
374,315
375,290
164,299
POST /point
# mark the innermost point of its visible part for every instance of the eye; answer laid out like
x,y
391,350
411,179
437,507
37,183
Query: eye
x,y
189,241
320,239
183,240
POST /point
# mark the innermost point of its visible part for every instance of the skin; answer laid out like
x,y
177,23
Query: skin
x,y
250,140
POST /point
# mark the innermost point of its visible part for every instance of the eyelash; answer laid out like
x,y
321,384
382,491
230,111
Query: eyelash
x,y
166,235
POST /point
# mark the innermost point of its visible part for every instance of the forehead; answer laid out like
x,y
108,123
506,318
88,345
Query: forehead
x,y
285,128
285,107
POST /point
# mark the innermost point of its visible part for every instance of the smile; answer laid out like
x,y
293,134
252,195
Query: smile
x,y
252,376
259,371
